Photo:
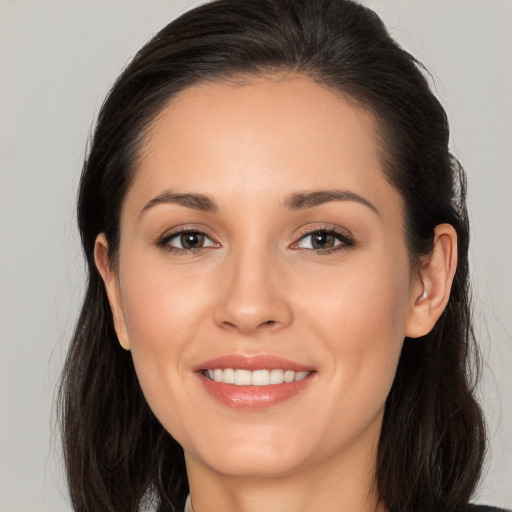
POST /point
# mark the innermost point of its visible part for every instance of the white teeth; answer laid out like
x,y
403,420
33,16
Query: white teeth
x,y
276,376
300,376
260,378
289,376
255,378
228,376
242,377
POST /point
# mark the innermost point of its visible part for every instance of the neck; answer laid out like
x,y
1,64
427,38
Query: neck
x,y
327,487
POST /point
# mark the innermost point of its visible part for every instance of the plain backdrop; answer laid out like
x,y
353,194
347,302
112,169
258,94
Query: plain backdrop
x,y
58,59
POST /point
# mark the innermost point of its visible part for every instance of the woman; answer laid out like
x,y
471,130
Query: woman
x,y
277,314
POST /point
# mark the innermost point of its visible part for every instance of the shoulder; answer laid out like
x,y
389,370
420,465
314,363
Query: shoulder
x,y
483,508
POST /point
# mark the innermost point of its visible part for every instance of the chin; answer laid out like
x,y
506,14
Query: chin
x,y
254,464
250,452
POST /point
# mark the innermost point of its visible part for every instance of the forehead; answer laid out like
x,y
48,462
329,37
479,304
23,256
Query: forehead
x,y
260,136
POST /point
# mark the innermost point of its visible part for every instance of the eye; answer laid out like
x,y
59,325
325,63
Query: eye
x,y
186,241
323,240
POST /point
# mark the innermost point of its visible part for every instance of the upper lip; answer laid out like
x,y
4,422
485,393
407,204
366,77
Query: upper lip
x,y
248,362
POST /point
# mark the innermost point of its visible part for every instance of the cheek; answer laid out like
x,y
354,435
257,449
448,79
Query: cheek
x,y
161,305
362,316
373,315
362,303
161,309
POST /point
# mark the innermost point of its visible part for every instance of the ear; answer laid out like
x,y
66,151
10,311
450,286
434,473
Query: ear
x,y
432,288
111,281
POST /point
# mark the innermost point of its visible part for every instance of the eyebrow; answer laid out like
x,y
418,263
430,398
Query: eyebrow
x,y
201,202
296,201
301,200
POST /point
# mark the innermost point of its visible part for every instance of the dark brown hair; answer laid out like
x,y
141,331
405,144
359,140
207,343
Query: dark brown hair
x,y
432,443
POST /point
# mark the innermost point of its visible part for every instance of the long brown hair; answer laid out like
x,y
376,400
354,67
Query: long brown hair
x,y
117,454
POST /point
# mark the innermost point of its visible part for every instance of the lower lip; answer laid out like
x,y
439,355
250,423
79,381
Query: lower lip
x,y
254,397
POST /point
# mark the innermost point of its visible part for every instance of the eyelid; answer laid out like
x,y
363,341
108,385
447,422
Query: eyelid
x,y
163,240
343,235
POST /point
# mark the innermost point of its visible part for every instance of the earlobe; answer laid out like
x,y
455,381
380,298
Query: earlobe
x,y
432,292
111,282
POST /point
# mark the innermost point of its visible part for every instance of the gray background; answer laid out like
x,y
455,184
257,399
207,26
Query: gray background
x,y
57,61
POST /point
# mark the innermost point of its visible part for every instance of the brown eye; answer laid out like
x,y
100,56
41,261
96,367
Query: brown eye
x,y
192,240
324,240
186,241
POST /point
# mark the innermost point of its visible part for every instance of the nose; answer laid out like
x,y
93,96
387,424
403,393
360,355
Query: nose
x,y
253,295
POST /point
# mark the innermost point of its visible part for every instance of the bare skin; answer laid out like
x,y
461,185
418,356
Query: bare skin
x,y
260,223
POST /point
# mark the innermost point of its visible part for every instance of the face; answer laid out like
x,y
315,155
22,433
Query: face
x,y
264,285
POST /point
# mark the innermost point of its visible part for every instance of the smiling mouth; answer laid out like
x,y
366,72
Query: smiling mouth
x,y
263,377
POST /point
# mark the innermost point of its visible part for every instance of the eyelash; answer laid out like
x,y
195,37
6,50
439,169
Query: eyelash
x,y
346,241
163,242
